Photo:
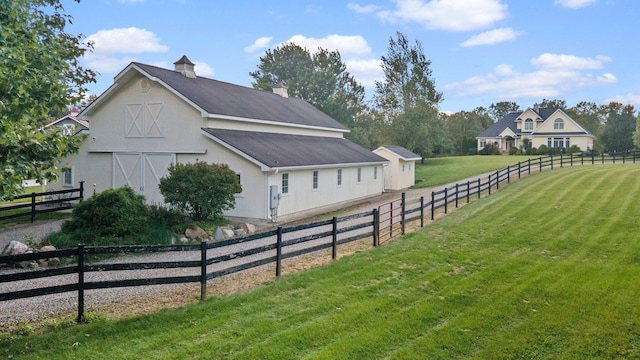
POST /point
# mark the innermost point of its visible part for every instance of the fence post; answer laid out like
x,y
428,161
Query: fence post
x,y
33,207
457,195
581,158
203,270
571,157
540,163
614,157
81,190
478,188
529,167
561,160
421,211
403,218
433,204
508,174
468,183
489,184
80,283
518,169
446,200
334,238
376,227
551,156
497,179
602,155
279,251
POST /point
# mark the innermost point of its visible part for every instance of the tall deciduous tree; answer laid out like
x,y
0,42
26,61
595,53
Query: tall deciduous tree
x,y
407,98
463,127
498,110
320,78
617,135
39,72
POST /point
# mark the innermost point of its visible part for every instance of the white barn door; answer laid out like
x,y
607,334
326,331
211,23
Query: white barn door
x,y
142,172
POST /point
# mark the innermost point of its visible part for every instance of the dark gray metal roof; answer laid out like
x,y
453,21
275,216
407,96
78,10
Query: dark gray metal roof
x,y
403,152
286,150
221,98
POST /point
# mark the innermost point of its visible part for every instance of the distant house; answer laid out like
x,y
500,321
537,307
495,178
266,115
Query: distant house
x,y
535,127
70,124
289,156
400,173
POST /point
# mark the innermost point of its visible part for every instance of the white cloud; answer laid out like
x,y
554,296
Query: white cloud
x,y
506,83
569,62
366,9
125,40
631,98
345,44
491,37
450,15
574,4
366,72
113,48
203,69
259,44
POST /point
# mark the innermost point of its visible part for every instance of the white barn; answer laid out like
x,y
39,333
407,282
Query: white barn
x,y
289,156
401,170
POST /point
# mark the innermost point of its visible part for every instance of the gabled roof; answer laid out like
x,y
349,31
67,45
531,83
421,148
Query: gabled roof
x,y
507,121
401,152
219,99
84,125
272,151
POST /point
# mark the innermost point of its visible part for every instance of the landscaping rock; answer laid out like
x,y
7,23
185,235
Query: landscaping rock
x,y
239,232
248,228
48,248
15,248
228,233
54,262
218,234
196,233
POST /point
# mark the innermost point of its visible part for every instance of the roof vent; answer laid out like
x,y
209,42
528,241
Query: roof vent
x,y
281,89
185,67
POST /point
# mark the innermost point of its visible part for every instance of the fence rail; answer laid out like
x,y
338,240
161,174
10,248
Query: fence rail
x,y
210,260
43,202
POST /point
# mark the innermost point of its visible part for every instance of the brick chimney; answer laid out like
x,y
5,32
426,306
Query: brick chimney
x,y
185,67
281,89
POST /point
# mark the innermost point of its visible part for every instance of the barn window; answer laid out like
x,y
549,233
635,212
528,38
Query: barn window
x,y
315,180
285,183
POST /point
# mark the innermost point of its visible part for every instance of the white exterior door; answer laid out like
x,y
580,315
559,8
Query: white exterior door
x,y
142,172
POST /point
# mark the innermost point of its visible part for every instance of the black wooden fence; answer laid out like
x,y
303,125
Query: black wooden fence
x,y
210,260
42,202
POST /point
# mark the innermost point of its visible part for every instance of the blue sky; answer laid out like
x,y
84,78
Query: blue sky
x,y
482,51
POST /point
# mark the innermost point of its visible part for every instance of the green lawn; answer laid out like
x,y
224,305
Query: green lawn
x,y
440,171
546,268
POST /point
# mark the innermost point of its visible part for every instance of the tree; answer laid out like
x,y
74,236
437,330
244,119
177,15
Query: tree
x,y
617,135
498,110
321,79
39,73
201,190
554,104
463,127
407,99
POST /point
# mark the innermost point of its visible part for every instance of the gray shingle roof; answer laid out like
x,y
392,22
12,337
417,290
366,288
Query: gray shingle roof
x,y
507,121
285,150
221,98
403,152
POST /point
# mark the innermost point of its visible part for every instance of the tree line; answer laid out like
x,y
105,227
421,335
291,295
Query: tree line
x,y
404,109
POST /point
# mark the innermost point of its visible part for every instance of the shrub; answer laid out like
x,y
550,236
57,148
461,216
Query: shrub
x,y
113,213
543,150
201,190
490,149
574,149
515,151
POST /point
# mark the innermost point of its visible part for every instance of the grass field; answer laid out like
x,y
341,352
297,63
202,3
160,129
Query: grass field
x,y
546,268
440,171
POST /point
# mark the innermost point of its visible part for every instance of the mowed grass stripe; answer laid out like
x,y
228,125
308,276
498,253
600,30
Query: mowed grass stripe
x,y
547,267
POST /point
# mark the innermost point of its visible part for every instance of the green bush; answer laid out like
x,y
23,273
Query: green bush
x,y
543,150
202,191
111,214
515,151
